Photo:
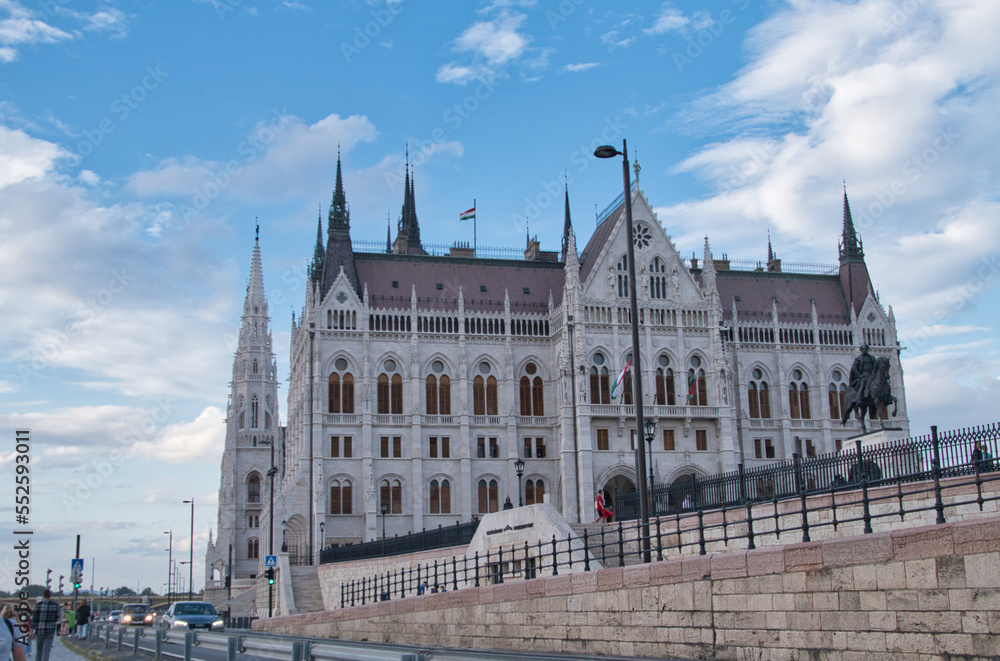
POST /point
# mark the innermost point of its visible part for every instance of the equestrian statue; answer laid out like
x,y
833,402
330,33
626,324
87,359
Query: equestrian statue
x,y
868,388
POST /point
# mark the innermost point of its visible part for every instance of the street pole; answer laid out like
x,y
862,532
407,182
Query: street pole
x,y
170,563
191,559
608,152
270,524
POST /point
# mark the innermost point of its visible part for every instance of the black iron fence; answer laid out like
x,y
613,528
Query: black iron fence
x,y
441,537
908,459
722,516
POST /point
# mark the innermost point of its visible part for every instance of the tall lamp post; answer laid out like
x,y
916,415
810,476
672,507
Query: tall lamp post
x,y
519,469
170,562
322,537
271,472
607,151
284,540
191,558
650,433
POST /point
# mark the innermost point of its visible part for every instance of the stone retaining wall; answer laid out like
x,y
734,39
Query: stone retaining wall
x,y
920,593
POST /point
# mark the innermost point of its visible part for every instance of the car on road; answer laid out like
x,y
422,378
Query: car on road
x,y
114,616
193,615
136,614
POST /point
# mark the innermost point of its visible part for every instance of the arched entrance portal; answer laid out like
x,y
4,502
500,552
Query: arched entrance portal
x,y
681,494
616,486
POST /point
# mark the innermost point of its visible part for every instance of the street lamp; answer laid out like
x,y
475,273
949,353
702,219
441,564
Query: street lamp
x,y
191,558
271,472
384,509
607,151
284,540
650,433
322,536
519,469
170,562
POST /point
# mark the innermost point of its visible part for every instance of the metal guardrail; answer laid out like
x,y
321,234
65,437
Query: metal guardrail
x,y
914,467
441,537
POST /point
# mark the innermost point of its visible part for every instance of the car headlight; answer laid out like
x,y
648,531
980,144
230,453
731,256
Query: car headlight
x,y
218,623
127,619
180,623
149,618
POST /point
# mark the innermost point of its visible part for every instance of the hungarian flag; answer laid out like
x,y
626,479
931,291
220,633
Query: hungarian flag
x,y
468,215
619,386
691,385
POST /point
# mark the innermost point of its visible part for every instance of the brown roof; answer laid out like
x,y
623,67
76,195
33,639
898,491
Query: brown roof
x,y
794,293
380,270
588,258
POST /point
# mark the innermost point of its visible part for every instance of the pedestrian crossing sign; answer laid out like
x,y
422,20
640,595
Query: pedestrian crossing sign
x,y
270,561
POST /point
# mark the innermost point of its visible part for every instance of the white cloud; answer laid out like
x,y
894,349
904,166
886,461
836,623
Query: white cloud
x,y
498,41
23,157
670,19
22,26
187,442
279,157
582,66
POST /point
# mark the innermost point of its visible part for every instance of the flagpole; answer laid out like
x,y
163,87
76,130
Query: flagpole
x,y
473,227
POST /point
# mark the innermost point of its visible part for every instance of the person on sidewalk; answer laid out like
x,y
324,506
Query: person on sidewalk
x,y
82,619
44,622
10,648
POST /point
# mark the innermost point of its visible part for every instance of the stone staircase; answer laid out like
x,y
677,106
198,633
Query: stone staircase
x,y
608,555
305,587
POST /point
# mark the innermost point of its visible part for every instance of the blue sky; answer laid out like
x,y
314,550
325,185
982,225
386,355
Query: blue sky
x,y
139,142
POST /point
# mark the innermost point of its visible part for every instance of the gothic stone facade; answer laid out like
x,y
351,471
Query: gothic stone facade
x,y
418,380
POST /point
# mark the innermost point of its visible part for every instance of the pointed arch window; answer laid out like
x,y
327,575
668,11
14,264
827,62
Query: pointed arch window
x,y
492,399
488,493
478,396
657,279
438,395
431,392
537,396
534,492
758,395
391,493
664,386
396,395
242,415
341,497
600,386
382,389
697,388
253,488
621,274
253,548
254,365
798,397
440,497
525,390
254,412
627,386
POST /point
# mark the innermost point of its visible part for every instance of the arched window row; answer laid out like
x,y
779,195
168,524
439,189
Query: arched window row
x,y
485,326
529,327
840,338
389,322
759,396
437,324
874,336
795,335
342,319
597,314
756,334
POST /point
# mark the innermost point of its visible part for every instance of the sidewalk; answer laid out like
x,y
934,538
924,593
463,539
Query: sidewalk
x,y
74,649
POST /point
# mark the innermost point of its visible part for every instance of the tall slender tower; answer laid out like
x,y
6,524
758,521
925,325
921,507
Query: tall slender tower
x,y
252,426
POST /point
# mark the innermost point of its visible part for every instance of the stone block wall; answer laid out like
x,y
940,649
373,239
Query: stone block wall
x,y
922,593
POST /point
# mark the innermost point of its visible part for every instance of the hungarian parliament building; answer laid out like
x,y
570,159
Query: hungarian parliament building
x,y
420,376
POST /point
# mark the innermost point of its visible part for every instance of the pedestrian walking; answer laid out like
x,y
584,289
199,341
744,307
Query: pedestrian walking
x,y
82,619
44,622
10,648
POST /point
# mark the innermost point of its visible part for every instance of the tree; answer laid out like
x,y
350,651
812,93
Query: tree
x,y
148,592
124,591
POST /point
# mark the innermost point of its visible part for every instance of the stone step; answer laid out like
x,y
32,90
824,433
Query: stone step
x,y
306,590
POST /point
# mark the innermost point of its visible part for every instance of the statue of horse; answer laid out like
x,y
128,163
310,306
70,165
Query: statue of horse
x,y
878,393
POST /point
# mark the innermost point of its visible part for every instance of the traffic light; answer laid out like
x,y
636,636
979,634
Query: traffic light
x,y
270,575
48,578
76,584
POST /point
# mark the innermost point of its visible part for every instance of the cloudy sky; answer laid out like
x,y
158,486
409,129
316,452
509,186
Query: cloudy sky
x,y
140,142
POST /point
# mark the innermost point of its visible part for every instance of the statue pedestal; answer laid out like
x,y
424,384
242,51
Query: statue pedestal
x,y
886,455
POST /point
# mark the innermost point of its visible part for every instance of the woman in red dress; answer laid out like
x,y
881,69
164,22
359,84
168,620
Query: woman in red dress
x,y
604,513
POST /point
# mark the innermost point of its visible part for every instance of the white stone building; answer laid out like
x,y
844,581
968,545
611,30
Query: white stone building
x,y
417,380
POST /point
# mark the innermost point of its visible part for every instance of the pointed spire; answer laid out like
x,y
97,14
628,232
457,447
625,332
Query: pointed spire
x,y
409,227
319,255
340,215
567,222
388,232
770,251
850,244
708,270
